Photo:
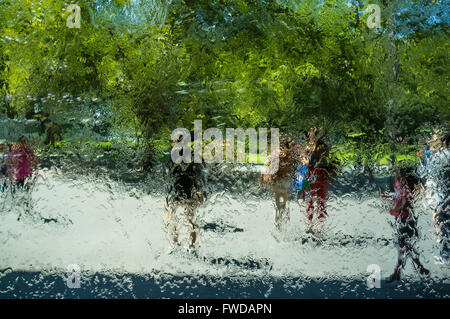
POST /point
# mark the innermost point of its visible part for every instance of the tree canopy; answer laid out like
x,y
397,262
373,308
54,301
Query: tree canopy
x,y
233,63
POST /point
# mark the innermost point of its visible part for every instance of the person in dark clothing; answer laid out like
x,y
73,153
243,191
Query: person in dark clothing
x,y
435,171
402,209
186,190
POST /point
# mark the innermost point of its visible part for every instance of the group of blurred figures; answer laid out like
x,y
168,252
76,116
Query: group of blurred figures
x,y
305,171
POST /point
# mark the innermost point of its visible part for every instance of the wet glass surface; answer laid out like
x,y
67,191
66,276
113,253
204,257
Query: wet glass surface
x,y
114,231
350,96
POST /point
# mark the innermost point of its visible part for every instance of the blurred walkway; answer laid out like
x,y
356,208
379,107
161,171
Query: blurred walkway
x,y
108,228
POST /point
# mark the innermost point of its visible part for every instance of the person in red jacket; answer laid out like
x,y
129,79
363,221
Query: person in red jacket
x,y
402,209
21,162
320,169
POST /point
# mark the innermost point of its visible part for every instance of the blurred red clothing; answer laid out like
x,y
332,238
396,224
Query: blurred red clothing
x,y
402,201
21,161
318,192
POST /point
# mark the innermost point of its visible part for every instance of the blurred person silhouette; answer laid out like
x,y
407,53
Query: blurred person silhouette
x,y
186,190
290,153
53,134
319,169
435,171
5,150
406,189
21,161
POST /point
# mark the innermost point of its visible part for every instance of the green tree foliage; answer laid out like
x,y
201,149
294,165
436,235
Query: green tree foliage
x,y
255,63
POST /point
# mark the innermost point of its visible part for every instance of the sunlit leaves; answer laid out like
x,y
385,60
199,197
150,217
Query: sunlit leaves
x,y
234,63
